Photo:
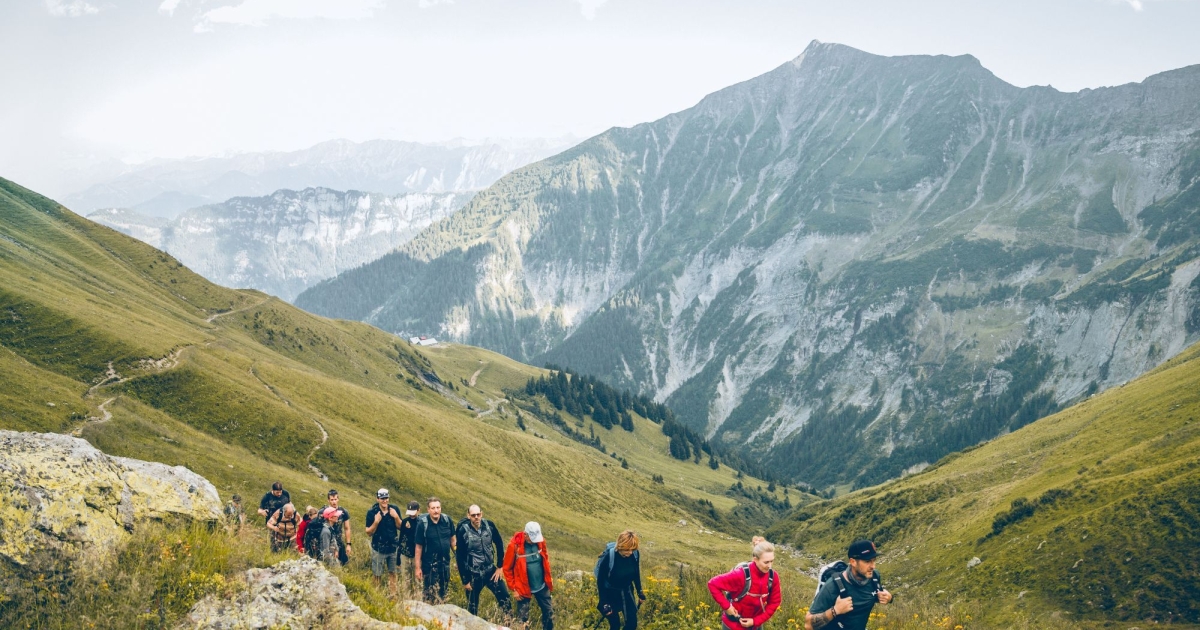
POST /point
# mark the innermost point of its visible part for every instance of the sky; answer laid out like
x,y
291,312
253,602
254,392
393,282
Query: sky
x,y
98,81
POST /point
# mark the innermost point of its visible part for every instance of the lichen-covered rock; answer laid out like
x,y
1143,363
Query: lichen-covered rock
x,y
304,594
447,616
292,594
61,495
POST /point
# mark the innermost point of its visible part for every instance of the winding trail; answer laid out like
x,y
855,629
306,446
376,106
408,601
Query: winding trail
x,y
321,427
106,416
214,317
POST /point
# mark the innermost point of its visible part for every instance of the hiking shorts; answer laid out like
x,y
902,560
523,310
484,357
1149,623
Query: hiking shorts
x,y
381,562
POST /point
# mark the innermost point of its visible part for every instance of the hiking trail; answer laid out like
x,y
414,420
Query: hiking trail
x,y
106,416
321,427
215,316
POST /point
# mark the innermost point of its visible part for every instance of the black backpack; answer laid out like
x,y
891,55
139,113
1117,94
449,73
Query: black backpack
x,y
312,538
745,567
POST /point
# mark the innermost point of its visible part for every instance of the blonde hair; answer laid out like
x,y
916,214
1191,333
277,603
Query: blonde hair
x,y
627,541
310,511
761,546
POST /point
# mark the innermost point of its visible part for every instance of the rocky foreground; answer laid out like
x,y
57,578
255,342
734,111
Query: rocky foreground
x,y
304,594
61,495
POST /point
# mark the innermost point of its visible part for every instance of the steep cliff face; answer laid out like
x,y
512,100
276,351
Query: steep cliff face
x,y
882,259
290,240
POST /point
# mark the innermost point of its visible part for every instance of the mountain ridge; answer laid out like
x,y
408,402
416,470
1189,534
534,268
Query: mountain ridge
x,y
853,251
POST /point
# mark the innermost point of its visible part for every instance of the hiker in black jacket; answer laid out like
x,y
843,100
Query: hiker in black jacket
x,y
480,556
408,543
618,578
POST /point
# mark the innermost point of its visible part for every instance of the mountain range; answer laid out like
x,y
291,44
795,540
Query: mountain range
x,y
165,187
288,241
852,264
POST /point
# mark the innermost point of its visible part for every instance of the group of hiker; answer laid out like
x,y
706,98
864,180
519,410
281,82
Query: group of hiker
x,y
421,546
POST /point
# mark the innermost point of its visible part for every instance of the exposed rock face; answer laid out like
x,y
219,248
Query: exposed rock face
x,y
304,594
62,495
285,242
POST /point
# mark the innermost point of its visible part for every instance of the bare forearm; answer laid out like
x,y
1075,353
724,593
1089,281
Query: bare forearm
x,y
819,620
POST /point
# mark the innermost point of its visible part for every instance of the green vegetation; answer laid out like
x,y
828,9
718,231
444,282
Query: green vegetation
x,y
1088,514
244,389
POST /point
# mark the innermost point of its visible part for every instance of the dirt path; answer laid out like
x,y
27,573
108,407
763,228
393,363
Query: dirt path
x,y
214,317
474,376
106,415
321,427
110,376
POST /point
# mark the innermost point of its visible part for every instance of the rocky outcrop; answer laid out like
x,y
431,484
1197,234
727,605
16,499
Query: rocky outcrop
x,y
61,495
304,594
292,594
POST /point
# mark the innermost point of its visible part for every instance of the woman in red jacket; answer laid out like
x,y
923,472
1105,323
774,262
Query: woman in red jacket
x,y
527,571
750,593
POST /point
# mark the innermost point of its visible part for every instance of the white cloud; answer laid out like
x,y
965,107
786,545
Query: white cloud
x,y
588,7
71,8
1136,4
259,12
425,4
168,7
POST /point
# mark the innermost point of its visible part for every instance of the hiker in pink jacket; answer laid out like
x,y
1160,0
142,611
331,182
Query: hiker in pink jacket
x,y
750,593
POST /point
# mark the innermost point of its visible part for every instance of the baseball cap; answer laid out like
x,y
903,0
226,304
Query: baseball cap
x,y
327,512
533,532
382,494
862,550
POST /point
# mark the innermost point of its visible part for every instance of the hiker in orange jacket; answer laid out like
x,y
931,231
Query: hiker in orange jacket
x,y
527,571
750,593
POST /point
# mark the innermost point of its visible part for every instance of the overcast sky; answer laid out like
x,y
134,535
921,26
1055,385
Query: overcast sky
x,y
135,79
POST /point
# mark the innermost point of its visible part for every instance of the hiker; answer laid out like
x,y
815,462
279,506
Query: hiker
x,y
847,593
283,526
480,558
341,529
750,593
408,542
235,515
310,513
527,569
273,501
434,540
328,539
383,522
618,577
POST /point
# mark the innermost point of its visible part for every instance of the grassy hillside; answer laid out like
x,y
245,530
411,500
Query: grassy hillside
x,y
105,337
1092,513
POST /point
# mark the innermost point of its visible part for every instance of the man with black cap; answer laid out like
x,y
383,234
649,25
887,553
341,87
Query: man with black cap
x,y
845,600
408,542
273,501
383,521
341,528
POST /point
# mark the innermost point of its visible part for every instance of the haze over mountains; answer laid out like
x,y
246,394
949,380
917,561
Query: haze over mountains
x,y
166,187
887,258
288,241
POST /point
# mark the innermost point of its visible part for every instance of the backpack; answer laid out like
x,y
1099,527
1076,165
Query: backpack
x,y
608,556
835,571
312,538
745,567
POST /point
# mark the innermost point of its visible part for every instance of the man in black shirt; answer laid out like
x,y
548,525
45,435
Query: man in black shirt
x,y
341,528
845,600
434,542
480,558
408,543
273,501
382,525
